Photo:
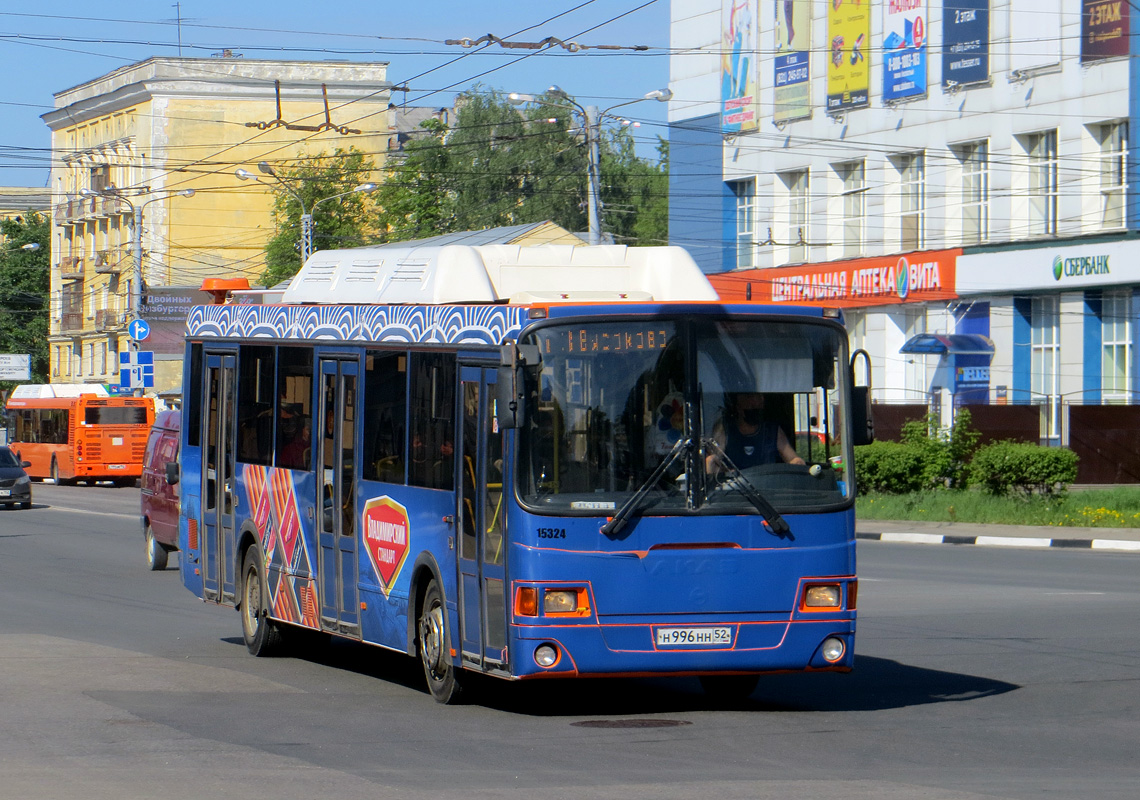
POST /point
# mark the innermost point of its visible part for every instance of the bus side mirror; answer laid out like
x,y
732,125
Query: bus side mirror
x,y
510,405
172,473
862,426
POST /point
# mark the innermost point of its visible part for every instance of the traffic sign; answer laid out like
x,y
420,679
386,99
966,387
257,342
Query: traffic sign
x,y
136,369
139,329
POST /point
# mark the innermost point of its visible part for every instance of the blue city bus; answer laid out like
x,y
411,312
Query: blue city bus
x,y
526,463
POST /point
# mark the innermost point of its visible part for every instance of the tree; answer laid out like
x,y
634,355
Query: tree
x,y
344,222
501,165
25,284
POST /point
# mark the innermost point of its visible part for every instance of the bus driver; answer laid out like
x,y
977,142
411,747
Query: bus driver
x,y
747,438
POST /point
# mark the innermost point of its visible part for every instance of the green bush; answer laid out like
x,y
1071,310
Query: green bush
x,y
889,467
1015,467
945,455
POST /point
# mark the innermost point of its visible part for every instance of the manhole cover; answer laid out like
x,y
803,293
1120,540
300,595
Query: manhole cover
x,y
630,723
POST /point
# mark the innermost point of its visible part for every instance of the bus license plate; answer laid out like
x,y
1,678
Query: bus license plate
x,y
694,637
116,466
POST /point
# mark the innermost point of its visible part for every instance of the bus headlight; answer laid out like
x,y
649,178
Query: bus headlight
x,y
832,649
546,655
822,596
559,601
565,601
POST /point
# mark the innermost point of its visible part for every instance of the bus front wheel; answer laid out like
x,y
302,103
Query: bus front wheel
x,y
431,642
262,635
156,554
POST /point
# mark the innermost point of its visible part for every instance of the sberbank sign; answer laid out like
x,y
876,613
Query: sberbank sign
x,y
1079,266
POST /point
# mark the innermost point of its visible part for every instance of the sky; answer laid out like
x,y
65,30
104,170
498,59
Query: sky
x,y
65,43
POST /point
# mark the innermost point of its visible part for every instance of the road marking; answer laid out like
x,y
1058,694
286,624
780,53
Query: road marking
x,y
1012,541
54,507
1114,544
912,538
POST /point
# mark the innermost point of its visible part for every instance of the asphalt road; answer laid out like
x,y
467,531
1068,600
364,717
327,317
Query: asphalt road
x,y
981,673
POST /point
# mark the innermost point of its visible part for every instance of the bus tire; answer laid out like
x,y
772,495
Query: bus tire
x,y
432,644
261,634
726,688
156,554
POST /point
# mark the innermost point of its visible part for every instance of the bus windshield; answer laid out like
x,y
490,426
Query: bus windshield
x,y
699,415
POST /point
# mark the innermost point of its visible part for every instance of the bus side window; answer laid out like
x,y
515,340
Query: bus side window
x,y
432,379
385,415
255,404
294,406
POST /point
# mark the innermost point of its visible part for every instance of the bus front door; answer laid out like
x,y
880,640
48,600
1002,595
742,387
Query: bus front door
x,y
218,478
482,574
336,525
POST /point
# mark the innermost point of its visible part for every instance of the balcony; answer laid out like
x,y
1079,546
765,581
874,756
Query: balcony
x,y
71,268
107,320
71,321
109,262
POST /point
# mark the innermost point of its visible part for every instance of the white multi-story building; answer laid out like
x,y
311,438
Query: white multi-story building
x,y
845,144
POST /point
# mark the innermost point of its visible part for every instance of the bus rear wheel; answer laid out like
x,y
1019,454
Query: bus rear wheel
x,y
431,641
261,634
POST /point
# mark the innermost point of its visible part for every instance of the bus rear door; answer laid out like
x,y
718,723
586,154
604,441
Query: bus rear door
x,y
482,578
336,442
218,478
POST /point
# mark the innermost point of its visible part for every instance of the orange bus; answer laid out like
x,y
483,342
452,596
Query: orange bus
x,y
78,432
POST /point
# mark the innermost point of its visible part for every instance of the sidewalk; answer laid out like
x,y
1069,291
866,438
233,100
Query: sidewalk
x,y
1118,539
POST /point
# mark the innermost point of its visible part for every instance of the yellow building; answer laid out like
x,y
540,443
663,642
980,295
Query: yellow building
x,y
133,144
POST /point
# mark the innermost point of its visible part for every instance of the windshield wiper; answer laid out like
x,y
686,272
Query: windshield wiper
x,y
776,524
621,517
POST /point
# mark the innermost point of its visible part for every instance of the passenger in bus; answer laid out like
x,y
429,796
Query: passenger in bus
x,y
295,435
748,439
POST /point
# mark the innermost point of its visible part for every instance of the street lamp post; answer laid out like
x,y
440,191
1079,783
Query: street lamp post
x,y
592,126
306,216
136,236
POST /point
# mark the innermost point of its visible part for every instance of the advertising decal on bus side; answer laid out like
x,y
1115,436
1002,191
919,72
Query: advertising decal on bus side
x,y
386,539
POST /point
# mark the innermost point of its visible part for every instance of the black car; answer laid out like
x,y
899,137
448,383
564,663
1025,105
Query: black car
x,y
15,485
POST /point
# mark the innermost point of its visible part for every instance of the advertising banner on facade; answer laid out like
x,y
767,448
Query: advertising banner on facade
x,y
792,80
739,57
849,61
164,308
1104,29
966,42
858,283
15,367
904,49
1067,269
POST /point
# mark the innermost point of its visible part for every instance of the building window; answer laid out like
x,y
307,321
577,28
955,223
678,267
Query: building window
x,y
1113,141
1046,369
854,180
1116,346
912,200
55,361
745,192
974,159
798,193
1041,148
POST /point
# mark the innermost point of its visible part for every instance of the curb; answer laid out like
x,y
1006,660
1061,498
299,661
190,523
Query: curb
x,y
1002,541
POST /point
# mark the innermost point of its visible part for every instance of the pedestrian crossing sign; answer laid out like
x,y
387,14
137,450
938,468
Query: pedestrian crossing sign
x,y
136,369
